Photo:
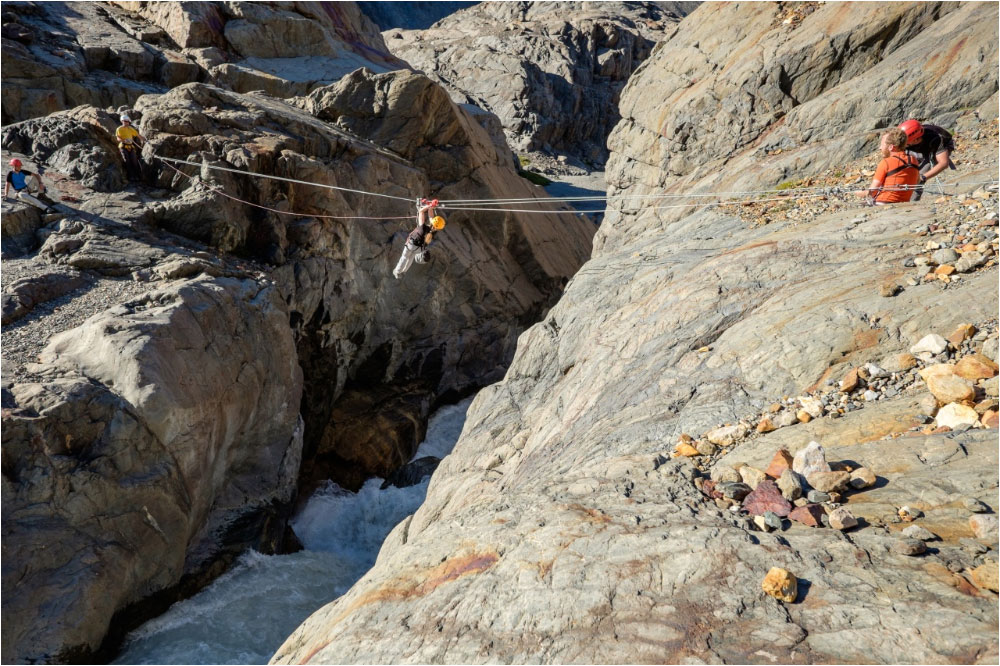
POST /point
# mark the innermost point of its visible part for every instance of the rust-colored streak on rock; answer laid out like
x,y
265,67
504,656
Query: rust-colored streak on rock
x,y
590,515
866,339
414,585
940,64
819,382
312,652
750,246
940,572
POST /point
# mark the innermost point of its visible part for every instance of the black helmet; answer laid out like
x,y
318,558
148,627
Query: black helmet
x,y
423,257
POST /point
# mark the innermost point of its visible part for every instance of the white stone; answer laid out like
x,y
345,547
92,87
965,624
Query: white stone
x,y
810,460
726,435
931,344
814,406
954,415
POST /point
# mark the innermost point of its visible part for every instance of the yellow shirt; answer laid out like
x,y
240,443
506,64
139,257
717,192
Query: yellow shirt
x,y
125,134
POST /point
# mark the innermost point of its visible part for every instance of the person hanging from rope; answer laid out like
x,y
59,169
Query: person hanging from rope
x,y
129,149
932,146
18,178
896,174
420,238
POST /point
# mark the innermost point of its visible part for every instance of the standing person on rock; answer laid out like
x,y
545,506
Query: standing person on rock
x,y
415,248
932,146
896,174
21,179
129,149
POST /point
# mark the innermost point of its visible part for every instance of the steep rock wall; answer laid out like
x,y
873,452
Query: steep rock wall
x,y
216,427
551,71
562,528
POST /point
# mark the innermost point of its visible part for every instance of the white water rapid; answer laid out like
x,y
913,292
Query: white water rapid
x,y
247,613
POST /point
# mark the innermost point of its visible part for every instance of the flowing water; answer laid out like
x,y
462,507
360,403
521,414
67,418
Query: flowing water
x,y
247,613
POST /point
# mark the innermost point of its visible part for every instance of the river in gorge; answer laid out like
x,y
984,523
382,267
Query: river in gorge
x,y
247,613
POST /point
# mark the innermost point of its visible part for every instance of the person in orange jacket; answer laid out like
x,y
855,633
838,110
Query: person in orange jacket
x,y
897,174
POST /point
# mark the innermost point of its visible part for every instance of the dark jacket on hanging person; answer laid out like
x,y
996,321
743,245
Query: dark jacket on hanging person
x,y
419,236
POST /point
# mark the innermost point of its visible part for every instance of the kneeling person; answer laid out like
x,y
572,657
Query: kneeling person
x,y
897,174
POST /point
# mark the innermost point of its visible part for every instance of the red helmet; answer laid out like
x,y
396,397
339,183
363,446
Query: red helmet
x,y
914,131
15,162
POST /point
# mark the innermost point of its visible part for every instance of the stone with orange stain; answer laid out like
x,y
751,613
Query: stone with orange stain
x,y
991,419
850,381
781,461
936,370
803,416
944,269
986,576
781,584
949,388
686,450
766,425
961,333
976,366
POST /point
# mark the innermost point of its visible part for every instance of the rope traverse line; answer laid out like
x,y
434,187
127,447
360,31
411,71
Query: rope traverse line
x,y
287,180
787,190
285,212
552,199
786,195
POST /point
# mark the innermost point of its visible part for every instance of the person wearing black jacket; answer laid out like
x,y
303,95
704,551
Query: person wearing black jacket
x,y
415,248
932,146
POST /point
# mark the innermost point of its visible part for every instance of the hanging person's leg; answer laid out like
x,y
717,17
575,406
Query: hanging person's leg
x,y
405,261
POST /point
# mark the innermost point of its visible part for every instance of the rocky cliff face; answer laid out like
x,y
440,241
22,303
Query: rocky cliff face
x,y
584,516
170,353
551,71
62,54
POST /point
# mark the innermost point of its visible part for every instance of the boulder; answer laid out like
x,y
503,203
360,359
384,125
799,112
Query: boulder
x,y
975,366
170,465
781,461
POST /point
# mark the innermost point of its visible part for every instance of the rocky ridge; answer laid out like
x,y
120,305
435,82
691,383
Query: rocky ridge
x,y
60,55
551,71
564,527
174,353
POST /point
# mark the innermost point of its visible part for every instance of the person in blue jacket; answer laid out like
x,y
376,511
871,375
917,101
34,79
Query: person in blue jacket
x,y
19,179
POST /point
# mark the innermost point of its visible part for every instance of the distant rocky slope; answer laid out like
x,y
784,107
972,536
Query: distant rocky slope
x,y
171,355
551,71
58,55
596,508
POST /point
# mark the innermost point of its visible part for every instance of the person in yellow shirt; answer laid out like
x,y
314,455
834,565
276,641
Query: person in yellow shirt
x,y
129,144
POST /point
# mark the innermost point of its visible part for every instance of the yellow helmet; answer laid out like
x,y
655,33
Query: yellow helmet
x,y
437,222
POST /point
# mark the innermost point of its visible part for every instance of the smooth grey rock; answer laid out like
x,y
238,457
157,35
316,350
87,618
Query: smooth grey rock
x,y
918,532
944,256
818,496
911,547
791,485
